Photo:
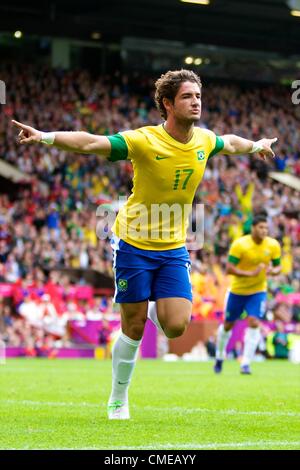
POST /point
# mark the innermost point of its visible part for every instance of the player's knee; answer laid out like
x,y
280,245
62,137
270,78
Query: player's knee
x,y
253,322
228,326
176,329
135,329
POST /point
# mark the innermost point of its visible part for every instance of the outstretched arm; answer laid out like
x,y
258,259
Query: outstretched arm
x,y
234,145
81,142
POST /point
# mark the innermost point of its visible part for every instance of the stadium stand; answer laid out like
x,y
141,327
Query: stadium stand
x,y
49,224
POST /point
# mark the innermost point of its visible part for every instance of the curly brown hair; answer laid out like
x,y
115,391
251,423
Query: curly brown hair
x,y
168,85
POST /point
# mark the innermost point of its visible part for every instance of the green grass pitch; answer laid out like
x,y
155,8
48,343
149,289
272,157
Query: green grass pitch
x,y
61,404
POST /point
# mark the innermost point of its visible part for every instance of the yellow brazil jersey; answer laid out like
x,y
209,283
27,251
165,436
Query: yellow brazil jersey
x,y
166,176
245,199
247,255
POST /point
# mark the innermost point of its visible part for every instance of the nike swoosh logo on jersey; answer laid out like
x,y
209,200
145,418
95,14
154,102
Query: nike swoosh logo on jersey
x,y
160,158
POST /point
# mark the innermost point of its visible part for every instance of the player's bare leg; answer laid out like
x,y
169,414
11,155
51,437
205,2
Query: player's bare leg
x,y
174,314
252,337
124,355
223,336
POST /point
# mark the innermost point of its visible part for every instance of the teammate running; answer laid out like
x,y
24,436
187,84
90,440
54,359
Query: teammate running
x,y
249,263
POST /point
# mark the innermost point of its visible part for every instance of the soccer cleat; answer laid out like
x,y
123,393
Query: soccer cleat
x,y
246,370
218,366
118,410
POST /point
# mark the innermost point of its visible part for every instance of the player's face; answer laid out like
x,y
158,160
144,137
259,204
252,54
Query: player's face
x,y
187,102
260,230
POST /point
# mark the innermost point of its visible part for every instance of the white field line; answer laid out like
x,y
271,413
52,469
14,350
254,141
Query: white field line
x,y
216,445
179,409
262,444
51,403
175,409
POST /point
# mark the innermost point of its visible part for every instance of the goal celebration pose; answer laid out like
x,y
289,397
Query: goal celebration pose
x,y
150,258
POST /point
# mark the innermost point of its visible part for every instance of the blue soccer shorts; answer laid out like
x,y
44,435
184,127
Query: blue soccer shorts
x,y
253,305
149,274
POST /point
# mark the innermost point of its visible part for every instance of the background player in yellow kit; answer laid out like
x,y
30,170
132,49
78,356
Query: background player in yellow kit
x,y
151,261
249,263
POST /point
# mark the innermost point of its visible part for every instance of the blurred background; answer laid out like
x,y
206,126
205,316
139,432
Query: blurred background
x,y
91,66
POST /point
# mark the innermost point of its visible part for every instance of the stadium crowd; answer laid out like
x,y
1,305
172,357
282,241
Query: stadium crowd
x,y
50,223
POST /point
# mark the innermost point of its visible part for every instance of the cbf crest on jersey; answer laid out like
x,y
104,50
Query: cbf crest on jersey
x,y
201,155
122,285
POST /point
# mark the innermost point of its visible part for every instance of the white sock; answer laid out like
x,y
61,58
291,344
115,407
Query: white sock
x,y
252,338
152,315
124,355
222,341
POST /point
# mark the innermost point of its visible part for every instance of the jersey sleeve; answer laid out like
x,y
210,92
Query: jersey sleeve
x,y
126,145
235,252
119,148
216,143
276,254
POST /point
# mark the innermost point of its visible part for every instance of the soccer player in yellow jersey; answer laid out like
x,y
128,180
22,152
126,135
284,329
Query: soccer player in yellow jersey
x,y
251,258
150,258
